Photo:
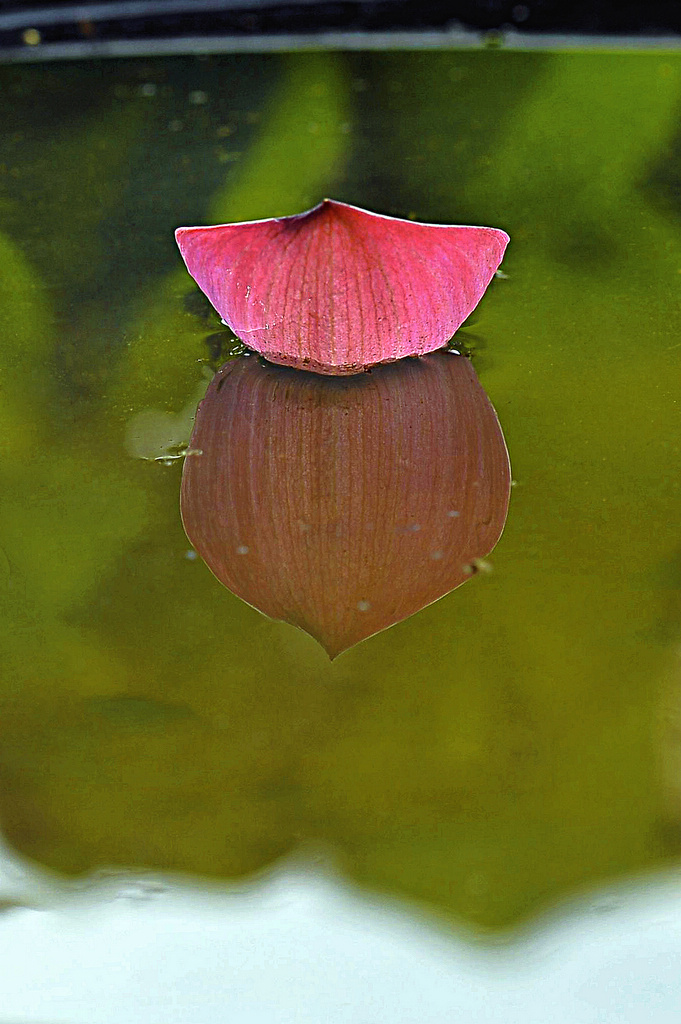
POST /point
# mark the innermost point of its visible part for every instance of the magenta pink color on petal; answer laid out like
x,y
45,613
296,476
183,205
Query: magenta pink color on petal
x,y
338,289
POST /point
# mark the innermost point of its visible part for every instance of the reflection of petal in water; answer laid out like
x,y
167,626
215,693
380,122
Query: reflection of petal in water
x,y
337,288
345,505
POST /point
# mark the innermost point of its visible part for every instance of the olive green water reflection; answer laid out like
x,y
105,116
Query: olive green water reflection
x,y
507,742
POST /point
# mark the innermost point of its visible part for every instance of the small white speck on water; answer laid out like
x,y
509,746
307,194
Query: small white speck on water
x,y
436,555
198,97
363,606
148,89
190,555
452,514
243,549
478,565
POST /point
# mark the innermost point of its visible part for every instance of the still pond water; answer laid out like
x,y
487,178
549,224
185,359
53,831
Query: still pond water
x,y
514,741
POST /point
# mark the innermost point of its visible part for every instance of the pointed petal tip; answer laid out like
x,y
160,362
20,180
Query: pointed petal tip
x,y
504,236
330,650
181,235
333,649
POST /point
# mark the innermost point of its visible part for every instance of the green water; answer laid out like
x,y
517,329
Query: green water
x,y
511,742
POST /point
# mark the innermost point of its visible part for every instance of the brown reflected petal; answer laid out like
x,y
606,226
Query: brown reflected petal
x,y
344,505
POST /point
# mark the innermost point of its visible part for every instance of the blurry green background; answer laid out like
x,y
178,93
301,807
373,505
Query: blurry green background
x,y
514,740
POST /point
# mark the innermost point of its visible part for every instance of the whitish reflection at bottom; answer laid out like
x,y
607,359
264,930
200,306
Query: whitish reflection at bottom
x,y
300,945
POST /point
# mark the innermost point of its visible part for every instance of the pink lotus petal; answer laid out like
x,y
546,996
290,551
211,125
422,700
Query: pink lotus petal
x,y
338,289
345,505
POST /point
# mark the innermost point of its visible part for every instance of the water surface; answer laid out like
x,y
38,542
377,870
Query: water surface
x,y
513,741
